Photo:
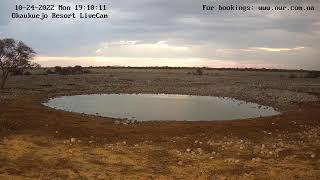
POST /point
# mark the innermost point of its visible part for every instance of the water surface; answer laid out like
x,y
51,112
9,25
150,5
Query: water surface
x,y
149,107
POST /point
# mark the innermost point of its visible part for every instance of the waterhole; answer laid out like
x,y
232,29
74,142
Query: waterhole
x,y
157,107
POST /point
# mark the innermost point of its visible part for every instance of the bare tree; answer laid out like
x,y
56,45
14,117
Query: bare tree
x,y
14,55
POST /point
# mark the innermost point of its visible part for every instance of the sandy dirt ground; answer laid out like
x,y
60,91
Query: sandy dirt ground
x,y
37,142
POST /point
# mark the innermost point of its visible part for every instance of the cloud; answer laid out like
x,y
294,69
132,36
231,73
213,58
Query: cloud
x,y
276,49
266,49
141,49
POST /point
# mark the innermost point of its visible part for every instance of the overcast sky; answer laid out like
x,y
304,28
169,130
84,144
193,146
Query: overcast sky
x,y
173,33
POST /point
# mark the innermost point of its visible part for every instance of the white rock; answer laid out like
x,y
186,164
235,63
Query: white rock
x,y
199,150
313,156
232,160
257,159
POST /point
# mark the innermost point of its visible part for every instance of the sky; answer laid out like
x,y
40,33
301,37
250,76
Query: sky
x,y
172,33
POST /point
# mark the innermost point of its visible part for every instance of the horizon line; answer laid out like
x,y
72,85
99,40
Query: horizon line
x,y
189,67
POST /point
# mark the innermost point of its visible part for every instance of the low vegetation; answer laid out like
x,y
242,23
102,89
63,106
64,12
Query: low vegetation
x,y
312,74
68,70
198,72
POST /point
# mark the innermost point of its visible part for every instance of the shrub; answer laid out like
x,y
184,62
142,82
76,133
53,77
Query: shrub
x,y
70,70
28,73
86,71
199,71
77,69
17,72
292,76
313,74
49,71
66,71
58,69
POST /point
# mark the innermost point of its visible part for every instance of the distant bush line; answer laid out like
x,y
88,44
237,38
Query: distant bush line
x,y
203,68
312,74
68,70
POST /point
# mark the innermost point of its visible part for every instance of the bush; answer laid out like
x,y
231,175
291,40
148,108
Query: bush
x,y
28,73
199,71
49,71
17,72
77,69
293,76
58,69
66,71
86,71
70,70
312,74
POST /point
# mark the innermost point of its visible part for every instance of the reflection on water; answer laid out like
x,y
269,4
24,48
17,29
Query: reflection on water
x,y
144,107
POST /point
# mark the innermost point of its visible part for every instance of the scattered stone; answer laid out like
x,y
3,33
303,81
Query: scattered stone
x,y
199,150
278,150
117,122
232,160
73,140
180,163
313,155
188,150
124,142
257,159
90,142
